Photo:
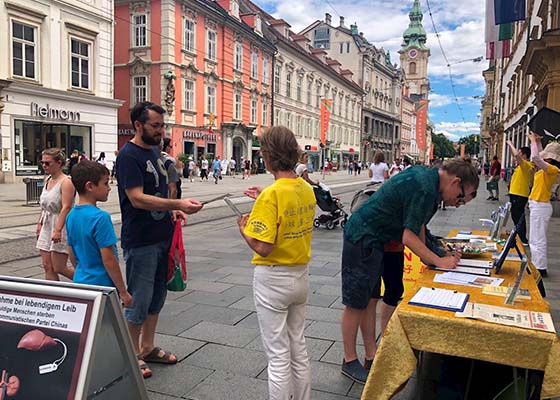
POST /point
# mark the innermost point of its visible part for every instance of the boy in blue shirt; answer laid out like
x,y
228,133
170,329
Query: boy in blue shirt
x,y
91,237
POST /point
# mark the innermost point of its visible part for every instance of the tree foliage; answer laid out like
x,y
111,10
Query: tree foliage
x,y
443,147
471,144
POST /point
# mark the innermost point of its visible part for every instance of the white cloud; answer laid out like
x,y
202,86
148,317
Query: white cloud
x,y
451,136
441,100
455,130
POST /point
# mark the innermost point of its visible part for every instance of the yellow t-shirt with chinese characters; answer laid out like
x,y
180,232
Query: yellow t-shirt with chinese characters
x,y
283,215
521,179
543,184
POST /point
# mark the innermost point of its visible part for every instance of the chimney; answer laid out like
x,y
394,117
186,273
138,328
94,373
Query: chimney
x,y
328,18
341,21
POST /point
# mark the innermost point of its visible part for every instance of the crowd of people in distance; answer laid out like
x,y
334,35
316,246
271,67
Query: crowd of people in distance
x,y
278,230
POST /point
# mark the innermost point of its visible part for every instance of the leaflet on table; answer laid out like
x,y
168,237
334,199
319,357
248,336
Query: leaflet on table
x,y
467,270
508,316
502,291
457,278
443,299
462,236
509,257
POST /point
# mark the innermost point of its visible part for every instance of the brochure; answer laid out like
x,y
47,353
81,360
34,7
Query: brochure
x,y
508,316
457,278
502,291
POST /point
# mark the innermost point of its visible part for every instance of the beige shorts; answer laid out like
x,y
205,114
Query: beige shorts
x,y
45,243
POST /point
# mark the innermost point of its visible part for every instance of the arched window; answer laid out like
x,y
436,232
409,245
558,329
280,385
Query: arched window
x,y
412,68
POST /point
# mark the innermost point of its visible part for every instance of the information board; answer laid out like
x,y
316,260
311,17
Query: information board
x,y
64,341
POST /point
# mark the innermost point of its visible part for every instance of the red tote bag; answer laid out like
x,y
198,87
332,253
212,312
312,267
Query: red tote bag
x,y
176,262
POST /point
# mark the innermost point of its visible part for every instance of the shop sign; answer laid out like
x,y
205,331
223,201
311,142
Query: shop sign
x,y
199,135
126,132
45,111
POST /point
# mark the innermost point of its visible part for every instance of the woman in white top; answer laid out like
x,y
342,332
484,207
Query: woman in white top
x,y
378,170
56,202
301,168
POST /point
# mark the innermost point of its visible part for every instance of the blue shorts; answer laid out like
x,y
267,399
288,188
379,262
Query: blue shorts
x,y
361,270
146,278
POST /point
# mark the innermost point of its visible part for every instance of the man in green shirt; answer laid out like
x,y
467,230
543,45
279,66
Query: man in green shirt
x,y
398,211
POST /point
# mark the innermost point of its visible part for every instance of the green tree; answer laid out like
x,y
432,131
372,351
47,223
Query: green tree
x,y
471,144
443,147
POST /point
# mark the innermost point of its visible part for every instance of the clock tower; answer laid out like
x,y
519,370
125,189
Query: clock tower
x,y
414,55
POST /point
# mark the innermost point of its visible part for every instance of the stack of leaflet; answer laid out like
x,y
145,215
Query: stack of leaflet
x,y
457,278
475,267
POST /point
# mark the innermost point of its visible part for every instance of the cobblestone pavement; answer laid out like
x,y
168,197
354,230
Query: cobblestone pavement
x,y
212,326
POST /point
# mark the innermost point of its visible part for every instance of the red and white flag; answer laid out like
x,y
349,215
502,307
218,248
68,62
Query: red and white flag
x,y
495,48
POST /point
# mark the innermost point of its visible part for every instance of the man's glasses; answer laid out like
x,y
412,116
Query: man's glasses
x,y
461,197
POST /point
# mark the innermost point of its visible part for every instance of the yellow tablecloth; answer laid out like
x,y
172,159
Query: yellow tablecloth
x,y
438,331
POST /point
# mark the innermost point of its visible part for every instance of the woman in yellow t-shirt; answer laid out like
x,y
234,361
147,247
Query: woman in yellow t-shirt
x,y
520,187
279,230
548,161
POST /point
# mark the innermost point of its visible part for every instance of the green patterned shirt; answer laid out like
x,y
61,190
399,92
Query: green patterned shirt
x,y
407,200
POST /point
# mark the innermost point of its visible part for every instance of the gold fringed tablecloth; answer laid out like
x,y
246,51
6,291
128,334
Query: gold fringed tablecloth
x,y
438,331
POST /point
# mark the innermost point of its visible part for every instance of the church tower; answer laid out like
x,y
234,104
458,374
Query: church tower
x,y
414,55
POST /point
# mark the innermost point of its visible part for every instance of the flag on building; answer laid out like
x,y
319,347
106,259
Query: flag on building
x,y
463,150
508,11
497,37
421,120
326,105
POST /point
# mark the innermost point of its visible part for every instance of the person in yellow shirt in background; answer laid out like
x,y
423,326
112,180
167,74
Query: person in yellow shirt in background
x,y
520,187
548,162
279,231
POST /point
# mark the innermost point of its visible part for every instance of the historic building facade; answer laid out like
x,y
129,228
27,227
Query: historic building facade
x,y
378,77
207,63
56,82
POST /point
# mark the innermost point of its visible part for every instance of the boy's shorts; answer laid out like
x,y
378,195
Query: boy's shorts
x,y
361,270
146,279
393,265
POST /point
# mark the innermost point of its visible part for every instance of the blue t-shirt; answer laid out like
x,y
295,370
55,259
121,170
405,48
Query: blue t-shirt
x,y
90,229
139,167
216,165
406,201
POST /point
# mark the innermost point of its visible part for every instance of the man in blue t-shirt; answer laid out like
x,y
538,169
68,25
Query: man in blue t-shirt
x,y
92,242
147,229
217,169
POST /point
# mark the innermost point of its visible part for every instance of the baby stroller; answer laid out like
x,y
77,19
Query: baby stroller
x,y
331,205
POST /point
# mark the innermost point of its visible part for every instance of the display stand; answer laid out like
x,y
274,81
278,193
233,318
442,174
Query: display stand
x,y
66,341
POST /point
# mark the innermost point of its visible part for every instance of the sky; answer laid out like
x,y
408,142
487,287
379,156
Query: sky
x,y
461,31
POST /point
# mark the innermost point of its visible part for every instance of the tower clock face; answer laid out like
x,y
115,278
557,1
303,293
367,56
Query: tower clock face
x,y
413,53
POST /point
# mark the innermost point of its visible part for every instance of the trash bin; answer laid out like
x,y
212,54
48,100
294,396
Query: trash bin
x,y
33,188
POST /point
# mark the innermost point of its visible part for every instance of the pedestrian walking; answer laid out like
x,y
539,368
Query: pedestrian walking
x,y
147,229
224,167
101,159
192,169
406,163
92,242
350,167
56,201
279,230
378,170
204,169
246,168
520,188
486,168
301,168
74,158
360,165
170,165
232,164
114,168
217,169
548,163
493,182
399,211
395,168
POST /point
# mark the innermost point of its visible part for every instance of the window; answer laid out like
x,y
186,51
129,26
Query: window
x,y
348,47
298,89
321,38
346,108
288,84
277,80
318,97
412,68
237,105
340,105
289,121
298,126
341,47
254,111
258,24
277,117
189,39
140,29
265,70
211,44
264,121
309,94
238,64
254,65
235,9
210,100
189,95
139,89
79,61
23,50
333,104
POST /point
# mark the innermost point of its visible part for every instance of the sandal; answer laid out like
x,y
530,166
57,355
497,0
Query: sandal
x,y
144,369
155,357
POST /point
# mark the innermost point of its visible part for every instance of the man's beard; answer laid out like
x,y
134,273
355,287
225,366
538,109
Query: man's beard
x,y
150,140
